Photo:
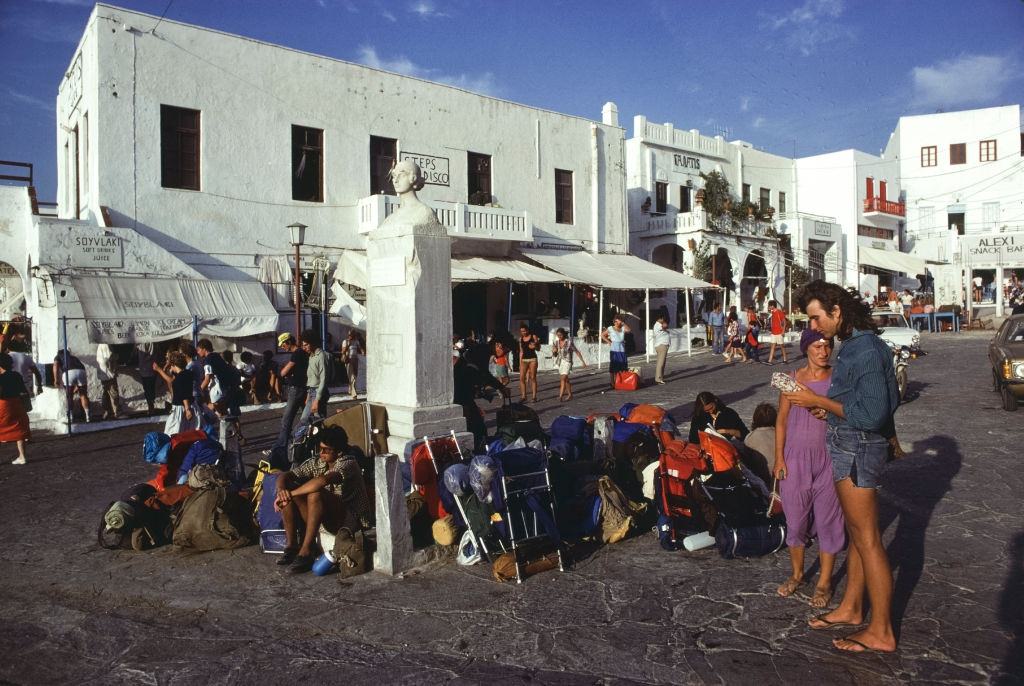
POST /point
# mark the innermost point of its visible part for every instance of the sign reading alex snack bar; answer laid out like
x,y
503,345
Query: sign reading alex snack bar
x,y
97,251
994,249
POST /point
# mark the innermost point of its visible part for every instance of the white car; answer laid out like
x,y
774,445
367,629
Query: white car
x,y
895,330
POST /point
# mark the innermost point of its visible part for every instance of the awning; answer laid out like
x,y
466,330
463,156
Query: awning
x,y
131,310
346,308
622,272
503,269
352,270
891,260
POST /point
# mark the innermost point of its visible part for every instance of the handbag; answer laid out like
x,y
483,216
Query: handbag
x,y
627,381
775,501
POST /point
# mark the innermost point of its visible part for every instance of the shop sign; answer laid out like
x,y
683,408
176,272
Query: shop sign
x,y
823,229
997,248
680,161
434,169
97,252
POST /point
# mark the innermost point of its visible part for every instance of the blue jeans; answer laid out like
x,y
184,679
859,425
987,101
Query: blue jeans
x,y
718,339
308,409
296,398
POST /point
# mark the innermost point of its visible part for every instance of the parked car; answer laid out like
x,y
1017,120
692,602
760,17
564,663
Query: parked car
x,y
895,330
1006,355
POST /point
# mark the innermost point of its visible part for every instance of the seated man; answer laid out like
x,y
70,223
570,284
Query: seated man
x,y
327,490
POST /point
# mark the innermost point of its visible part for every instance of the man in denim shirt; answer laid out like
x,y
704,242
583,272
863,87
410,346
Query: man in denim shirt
x,y
716,320
859,409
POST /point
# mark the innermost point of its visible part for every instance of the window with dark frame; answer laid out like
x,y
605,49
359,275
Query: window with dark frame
x,y
929,155
479,178
958,153
307,164
875,232
660,197
179,147
746,192
987,151
684,199
563,196
782,202
383,155
765,199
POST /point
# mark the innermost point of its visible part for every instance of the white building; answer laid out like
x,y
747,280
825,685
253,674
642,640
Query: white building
x,y
667,223
962,175
195,149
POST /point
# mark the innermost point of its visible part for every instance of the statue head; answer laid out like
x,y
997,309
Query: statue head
x,y
406,176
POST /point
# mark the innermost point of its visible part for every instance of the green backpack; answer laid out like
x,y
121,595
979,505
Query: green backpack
x,y
213,519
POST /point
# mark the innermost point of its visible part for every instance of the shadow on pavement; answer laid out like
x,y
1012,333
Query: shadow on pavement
x,y
912,488
1011,613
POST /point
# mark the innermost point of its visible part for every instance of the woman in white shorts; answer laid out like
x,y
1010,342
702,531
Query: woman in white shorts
x,y
562,351
73,379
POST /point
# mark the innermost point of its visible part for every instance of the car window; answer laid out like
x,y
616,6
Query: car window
x,y
1016,334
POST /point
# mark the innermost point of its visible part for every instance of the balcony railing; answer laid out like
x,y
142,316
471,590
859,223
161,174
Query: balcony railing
x,y
698,220
892,207
461,219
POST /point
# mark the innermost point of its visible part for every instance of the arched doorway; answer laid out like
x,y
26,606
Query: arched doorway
x,y
755,277
669,256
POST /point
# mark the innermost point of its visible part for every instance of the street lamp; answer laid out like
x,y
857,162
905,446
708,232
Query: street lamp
x,y
298,232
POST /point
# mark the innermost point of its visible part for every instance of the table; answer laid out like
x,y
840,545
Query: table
x,y
927,317
951,316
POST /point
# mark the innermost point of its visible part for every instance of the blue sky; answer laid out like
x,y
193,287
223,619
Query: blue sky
x,y
804,75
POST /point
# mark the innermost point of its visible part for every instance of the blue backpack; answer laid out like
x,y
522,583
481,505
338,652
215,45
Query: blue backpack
x,y
272,533
155,447
571,439
206,451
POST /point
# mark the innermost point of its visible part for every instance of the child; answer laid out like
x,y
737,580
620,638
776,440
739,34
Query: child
x,y
498,364
735,342
563,350
752,348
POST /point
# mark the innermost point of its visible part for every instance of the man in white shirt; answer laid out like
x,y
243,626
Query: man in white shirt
x,y
106,370
660,341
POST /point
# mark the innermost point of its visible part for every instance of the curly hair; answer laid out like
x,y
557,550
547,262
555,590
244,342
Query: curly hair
x,y
854,313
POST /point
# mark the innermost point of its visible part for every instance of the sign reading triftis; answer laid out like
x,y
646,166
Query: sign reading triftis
x,y
686,162
435,169
105,252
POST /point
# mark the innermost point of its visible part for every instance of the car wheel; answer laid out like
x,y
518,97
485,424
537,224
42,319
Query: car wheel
x,y
901,383
1009,400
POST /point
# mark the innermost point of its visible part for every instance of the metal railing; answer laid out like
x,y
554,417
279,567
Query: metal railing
x,y
885,206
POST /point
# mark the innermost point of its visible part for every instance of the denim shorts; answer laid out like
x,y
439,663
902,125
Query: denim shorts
x,y
857,455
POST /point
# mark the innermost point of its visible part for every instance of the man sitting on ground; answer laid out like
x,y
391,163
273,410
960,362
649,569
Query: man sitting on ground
x,y
327,490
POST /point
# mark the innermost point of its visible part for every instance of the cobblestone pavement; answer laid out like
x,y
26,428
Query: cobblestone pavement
x,y
627,613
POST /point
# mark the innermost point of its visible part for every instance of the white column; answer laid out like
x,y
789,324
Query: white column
x,y
689,338
999,291
647,324
600,327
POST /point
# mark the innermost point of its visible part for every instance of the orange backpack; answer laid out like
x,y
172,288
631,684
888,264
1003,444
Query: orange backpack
x,y
720,453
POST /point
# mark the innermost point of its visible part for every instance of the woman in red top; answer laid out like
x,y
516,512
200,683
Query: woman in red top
x,y
778,324
13,417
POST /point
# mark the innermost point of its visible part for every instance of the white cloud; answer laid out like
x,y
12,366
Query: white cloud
x,y
812,25
479,83
745,103
31,100
759,122
388,15
963,80
426,10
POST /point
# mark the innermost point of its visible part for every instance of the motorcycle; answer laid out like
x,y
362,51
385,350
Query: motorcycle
x,y
901,356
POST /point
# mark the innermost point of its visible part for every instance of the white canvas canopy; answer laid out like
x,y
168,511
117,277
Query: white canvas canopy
x,y
891,260
616,272
135,310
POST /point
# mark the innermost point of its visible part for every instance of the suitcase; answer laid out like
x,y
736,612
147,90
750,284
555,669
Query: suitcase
x,y
627,381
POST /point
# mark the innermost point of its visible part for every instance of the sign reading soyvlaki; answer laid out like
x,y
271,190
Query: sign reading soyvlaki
x,y
995,249
97,251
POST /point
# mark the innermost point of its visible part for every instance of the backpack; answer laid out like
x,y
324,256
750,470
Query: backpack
x,y
213,519
617,511
204,451
130,521
350,553
155,447
268,520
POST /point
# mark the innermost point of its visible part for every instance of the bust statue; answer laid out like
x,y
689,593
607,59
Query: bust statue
x,y
407,178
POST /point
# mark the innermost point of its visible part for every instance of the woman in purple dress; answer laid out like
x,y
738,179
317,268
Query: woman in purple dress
x,y
804,470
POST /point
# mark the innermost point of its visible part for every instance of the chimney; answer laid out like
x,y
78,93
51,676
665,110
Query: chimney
x,y
610,114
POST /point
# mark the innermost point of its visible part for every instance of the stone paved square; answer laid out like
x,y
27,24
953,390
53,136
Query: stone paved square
x,y
627,613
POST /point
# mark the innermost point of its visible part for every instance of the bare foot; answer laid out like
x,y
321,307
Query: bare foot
x,y
789,586
863,642
822,596
835,618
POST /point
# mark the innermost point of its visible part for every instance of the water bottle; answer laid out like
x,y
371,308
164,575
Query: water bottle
x,y
325,564
698,541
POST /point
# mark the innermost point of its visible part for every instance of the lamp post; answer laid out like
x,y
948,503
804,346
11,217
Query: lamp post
x,y
298,232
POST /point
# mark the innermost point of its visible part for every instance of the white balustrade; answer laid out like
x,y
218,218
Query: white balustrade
x,y
461,219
